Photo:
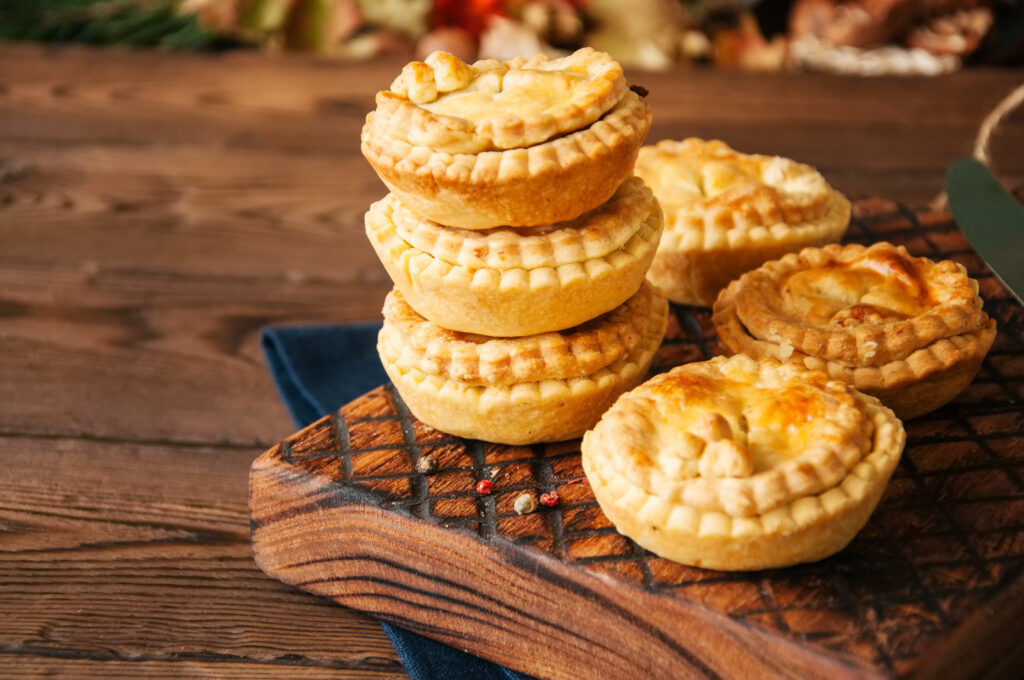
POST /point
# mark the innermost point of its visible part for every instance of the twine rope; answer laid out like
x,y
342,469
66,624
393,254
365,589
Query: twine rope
x,y
988,127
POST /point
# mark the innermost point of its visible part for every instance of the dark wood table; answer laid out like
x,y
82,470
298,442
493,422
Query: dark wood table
x,y
157,210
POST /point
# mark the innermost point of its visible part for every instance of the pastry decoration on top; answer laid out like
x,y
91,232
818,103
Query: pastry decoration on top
x,y
515,282
491,105
545,387
515,143
727,212
906,329
735,464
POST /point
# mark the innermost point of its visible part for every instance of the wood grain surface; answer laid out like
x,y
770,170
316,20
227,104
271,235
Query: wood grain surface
x,y
928,588
156,210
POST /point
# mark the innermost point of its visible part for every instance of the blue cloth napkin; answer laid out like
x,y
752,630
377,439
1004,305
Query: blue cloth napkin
x,y
317,369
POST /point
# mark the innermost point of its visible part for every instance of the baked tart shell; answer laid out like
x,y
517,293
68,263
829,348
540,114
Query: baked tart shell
x,y
541,184
952,338
696,277
802,510
799,539
925,380
527,412
728,212
515,301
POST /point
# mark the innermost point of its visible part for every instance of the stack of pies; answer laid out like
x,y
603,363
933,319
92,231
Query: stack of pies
x,y
518,242
526,308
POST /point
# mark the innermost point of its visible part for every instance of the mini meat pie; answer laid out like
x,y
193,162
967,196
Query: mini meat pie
x,y
514,282
545,387
905,329
517,143
739,465
727,212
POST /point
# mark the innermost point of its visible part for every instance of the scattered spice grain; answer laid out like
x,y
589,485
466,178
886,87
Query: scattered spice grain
x,y
525,504
426,465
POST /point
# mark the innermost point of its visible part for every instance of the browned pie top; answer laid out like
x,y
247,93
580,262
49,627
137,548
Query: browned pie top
x,y
447,105
737,436
857,305
706,186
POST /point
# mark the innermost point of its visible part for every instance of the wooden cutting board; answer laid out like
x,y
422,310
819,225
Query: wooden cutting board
x,y
932,586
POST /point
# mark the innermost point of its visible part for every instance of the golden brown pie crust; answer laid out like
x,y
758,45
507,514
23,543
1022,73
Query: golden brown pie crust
x,y
907,330
517,391
545,167
515,282
454,107
735,464
727,212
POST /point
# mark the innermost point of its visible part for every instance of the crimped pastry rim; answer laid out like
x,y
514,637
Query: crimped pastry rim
x,y
401,117
814,472
494,396
804,513
767,205
628,120
682,235
941,355
867,345
592,235
384,237
416,343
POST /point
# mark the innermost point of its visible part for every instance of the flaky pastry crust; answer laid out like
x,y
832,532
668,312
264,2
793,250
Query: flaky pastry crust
x,y
539,184
519,282
483,360
523,390
595,234
727,212
453,107
735,464
907,330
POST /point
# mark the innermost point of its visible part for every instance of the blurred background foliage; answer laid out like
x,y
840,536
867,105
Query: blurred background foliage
x,y
853,36
108,22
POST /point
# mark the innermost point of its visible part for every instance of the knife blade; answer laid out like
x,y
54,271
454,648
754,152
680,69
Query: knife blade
x,y
991,219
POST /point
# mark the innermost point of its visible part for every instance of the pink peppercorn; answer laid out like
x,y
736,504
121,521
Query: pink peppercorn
x,y
549,499
483,487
